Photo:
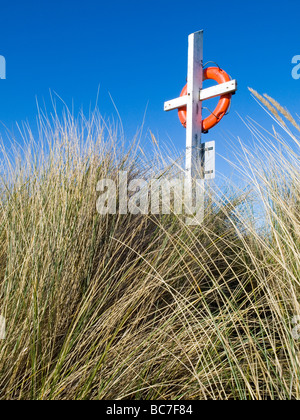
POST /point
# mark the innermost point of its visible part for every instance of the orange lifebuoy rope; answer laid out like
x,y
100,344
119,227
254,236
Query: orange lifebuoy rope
x,y
220,76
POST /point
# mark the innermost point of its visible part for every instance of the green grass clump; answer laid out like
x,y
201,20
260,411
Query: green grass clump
x,y
146,307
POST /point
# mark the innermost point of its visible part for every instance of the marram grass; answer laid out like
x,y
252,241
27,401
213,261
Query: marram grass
x,y
144,307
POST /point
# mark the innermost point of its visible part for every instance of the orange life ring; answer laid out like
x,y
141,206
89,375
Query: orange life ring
x,y
220,76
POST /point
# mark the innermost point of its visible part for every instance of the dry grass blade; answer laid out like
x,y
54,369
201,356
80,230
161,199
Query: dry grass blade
x,y
283,111
268,106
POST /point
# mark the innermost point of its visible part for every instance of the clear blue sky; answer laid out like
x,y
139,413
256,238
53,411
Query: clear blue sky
x,y
137,51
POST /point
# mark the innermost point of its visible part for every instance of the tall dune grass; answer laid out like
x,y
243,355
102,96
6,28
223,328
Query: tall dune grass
x,y
146,307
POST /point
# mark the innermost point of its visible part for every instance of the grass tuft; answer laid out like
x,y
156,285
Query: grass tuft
x,y
146,307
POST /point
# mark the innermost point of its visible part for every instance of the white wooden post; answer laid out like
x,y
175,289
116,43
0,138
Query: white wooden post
x,y
194,193
194,108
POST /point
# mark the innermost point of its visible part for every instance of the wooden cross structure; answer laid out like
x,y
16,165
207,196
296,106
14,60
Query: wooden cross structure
x,y
198,154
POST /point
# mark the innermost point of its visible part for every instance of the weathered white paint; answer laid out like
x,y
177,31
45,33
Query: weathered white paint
x,y
194,108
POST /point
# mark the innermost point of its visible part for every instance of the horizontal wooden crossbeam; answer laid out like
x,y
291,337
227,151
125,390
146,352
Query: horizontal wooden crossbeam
x,y
208,93
217,90
176,103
